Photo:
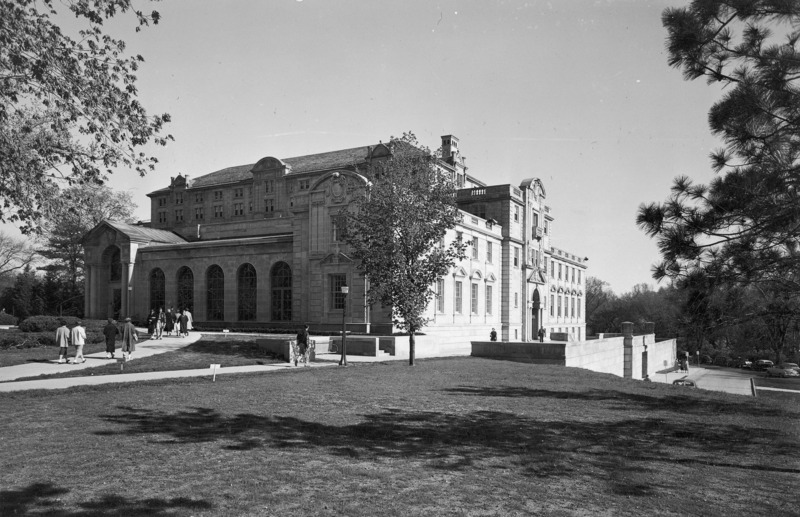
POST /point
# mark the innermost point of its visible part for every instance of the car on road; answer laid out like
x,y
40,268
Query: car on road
x,y
784,370
684,382
762,364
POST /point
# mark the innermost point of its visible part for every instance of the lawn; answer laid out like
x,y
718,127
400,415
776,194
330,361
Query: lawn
x,y
226,350
448,437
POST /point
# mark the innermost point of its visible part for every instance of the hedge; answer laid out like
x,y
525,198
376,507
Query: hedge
x,y
51,323
7,319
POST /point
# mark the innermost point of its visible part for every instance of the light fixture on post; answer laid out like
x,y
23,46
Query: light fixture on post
x,y
343,360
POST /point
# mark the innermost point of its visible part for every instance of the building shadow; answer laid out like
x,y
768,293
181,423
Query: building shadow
x,y
41,499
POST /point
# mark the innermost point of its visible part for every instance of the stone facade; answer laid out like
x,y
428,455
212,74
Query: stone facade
x,y
258,246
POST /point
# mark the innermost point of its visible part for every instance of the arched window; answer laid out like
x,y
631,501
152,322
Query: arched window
x,y
215,306
247,284
157,289
185,296
281,281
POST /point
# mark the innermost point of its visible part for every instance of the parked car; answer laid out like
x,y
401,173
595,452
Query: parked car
x,y
743,363
784,370
762,364
684,382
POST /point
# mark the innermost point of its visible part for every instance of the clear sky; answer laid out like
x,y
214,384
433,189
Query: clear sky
x,y
575,92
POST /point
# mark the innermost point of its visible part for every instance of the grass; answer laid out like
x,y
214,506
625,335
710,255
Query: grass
x,y
226,350
448,437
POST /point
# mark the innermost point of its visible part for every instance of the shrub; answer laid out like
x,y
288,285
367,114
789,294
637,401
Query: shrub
x,y
26,340
51,323
7,319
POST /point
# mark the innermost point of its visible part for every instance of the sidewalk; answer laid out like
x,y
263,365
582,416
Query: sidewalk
x,y
144,348
715,379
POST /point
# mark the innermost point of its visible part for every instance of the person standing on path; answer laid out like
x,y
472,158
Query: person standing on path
x,y
542,334
493,335
78,337
302,345
129,339
188,314
62,341
110,331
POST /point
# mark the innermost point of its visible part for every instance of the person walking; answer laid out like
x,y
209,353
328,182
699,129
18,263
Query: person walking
x,y
151,323
169,322
78,337
62,341
129,339
184,321
542,334
110,331
161,320
188,314
302,345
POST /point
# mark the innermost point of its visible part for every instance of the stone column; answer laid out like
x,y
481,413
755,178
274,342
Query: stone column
x,y
87,293
125,310
627,343
649,327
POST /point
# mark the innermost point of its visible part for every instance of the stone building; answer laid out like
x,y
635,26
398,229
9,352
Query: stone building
x,y
259,246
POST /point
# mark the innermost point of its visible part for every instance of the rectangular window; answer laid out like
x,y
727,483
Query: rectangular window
x,y
516,257
579,307
337,296
338,228
218,211
559,271
162,216
269,186
516,299
238,192
489,252
238,209
440,295
217,195
198,214
552,305
475,247
552,269
547,227
488,299
305,184
559,305
459,236
162,201
516,214
198,198
474,304
458,308
535,222
178,216
250,206
572,301
269,205
579,277
179,198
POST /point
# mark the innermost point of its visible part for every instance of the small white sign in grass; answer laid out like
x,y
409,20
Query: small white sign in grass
x,y
214,369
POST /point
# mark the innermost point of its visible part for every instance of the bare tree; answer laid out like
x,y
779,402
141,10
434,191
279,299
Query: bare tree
x,y
15,254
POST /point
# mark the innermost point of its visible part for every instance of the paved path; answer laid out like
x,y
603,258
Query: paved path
x,y
712,378
144,348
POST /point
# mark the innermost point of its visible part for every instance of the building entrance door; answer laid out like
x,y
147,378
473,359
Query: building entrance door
x,y
116,303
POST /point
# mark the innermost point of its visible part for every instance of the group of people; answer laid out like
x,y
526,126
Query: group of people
x,y
169,321
76,336
683,364
541,334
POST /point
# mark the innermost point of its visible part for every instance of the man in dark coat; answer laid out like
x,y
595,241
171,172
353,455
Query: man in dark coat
x,y
110,331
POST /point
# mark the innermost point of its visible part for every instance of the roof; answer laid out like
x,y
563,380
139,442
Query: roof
x,y
298,164
143,233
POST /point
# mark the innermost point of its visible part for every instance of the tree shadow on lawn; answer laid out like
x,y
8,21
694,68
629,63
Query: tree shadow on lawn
x,y
626,401
608,450
42,498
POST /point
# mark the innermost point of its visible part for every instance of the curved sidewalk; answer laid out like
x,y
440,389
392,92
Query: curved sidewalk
x,y
144,348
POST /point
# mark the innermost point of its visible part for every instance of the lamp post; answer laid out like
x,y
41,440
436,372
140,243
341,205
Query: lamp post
x,y
343,360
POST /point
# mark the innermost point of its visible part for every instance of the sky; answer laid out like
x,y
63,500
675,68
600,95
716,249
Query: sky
x,y
577,93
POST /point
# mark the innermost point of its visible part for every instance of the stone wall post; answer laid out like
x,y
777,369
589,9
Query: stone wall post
x,y
649,327
627,343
